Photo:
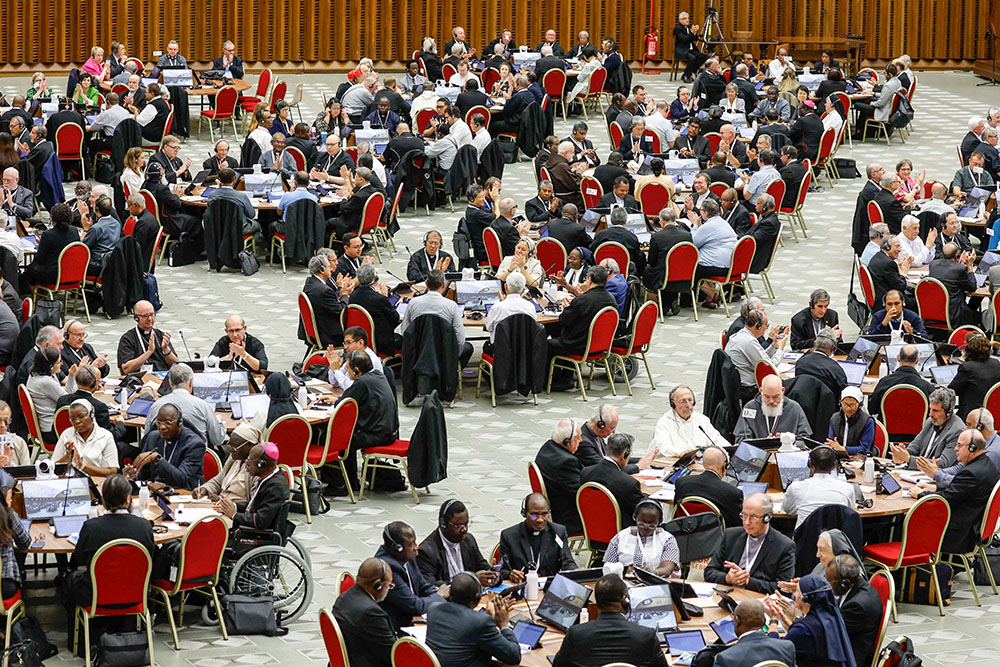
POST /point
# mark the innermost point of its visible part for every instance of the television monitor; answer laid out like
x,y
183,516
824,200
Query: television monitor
x,y
48,498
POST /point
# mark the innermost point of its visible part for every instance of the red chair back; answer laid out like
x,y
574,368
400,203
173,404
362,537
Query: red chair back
x,y
992,400
742,256
536,480
358,316
867,285
881,442
408,652
129,227
904,409
277,94
682,262
340,429
616,132
300,159
991,517
309,321
317,359
923,529
447,71
718,188
211,466
424,118
372,212
653,198
554,82
292,434
883,584
151,204
615,251
30,415
591,190
345,582
714,138
826,145
933,302
543,172
845,102
599,513
492,243
602,333
804,185
225,103
874,213
119,89
490,76
201,552
597,79
643,325
762,370
958,336
482,111
333,639
263,83
26,308
61,420
156,247
654,140
777,190
69,141
119,574
695,505
73,260
551,253
353,152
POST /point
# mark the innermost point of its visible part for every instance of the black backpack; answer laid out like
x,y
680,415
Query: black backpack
x,y
900,654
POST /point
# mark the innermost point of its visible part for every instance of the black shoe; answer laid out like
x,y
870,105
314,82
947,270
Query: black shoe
x,y
675,308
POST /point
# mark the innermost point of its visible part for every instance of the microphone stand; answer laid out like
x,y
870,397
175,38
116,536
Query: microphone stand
x,y
181,334
229,383
70,474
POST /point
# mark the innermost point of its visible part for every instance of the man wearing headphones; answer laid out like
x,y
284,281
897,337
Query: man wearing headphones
x,y
410,595
887,274
271,492
611,473
435,303
711,485
611,638
560,470
979,419
808,322
893,317
938,435
459,635
171,453
366,627
76,351
819,363
860,605
753,556
754,645
534,544
201,417
968,493
226,190
593,434
745,349
431,256
771,413
452,549
805,496
683,428
145,345
373,296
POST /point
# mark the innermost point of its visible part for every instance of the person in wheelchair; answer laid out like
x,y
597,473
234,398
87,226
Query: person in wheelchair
x,y
264,507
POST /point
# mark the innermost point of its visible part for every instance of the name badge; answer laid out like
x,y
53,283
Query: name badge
x,y
559,541
749,413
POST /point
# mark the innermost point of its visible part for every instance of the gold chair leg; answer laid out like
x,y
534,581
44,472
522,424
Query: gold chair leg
x,y
937,587
86,639
170,617
218,611
648,372
364,476
149,636
343,472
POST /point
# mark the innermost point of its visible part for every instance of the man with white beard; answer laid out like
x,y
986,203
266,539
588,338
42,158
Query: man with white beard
x,y
771,413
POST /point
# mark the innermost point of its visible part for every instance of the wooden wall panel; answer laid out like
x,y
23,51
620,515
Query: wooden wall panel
x,y
62,32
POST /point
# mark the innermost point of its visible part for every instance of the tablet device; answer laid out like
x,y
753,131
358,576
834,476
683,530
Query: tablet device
x,y
792,467
864,350
677,474
748,462
855,372
168,515
528,634
48,498
749,488
725,630
139,407
67,525
652,607
890,484
943,375
251,404
562,602
687,641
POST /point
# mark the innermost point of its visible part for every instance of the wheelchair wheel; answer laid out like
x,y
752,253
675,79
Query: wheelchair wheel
x,y
301,550
208,615
276,571
631,370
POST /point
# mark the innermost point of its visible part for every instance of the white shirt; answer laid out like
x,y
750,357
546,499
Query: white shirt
x,y
341,378
481,140
262,137
460,132
531,265
674,436
146,116
379,170
459,81
807,495
833,120
514,304
776,67
452,555
663,128
921,253
12,242
99,450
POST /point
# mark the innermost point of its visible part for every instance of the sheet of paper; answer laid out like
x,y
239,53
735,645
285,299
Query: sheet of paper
x,y
702,588
418,632
666,493
192,514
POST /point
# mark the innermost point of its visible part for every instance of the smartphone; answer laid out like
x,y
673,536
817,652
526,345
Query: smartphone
x,y
859,496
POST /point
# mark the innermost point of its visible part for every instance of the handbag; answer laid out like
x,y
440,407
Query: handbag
x,y
915,586
903,115
28,629
857,309
22,654
246,615
123,649
183,251
899,653
318,504
248,262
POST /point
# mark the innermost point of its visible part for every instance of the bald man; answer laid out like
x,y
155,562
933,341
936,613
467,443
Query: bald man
x,y
711,485
367,630
246,351
145,345
15,200
754,646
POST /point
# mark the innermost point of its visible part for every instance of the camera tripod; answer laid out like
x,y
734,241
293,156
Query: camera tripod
x,y
712,30
993,53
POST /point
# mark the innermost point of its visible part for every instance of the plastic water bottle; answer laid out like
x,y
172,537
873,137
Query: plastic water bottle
x,y
303,397
143,497
869,470
531,585
584,615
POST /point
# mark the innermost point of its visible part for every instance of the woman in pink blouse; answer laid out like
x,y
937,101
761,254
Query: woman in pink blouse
x,y
97,66
910,187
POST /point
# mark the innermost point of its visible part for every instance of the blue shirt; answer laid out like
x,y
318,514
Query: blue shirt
x,y
290,198
876,326
102,237
715,240
619,289
868,253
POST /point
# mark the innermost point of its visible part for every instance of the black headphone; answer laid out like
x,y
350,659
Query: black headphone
x,y
379,583
572,432
681,386
442,521
648,502
479,586
600,417
972,445
979,425
428,234
766,518
949,403
524,505
387,537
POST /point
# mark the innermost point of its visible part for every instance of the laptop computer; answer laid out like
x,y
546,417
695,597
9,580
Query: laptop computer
x,y
652,607
139,407
792,467
249,405
943,375
747,463
855,370
562,602
685,641
750,488
864,350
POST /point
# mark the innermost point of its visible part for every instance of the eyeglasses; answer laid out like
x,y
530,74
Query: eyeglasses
x,y
751,517
536,516
644,524
351,341
146,316
235,331
80,334
460,526
165,422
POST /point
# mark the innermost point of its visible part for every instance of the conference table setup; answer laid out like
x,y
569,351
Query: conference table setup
x,y
264,198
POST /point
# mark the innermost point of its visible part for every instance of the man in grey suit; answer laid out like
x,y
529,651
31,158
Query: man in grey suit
x,y
226,190
881,107
459,635
16,200
938,436
754,646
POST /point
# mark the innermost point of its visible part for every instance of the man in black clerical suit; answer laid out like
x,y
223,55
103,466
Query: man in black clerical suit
x,y
611,473
710,485
905,373
760,565
892,211
366,627
327,303
471,97
618,233
611,638
860,605
685,46
660,243
385,318
959,279
567,230
808,322
560,470
887,274
430,257
792,172
575,319
765,233
820,364
229,62
378,420
543,206
535,544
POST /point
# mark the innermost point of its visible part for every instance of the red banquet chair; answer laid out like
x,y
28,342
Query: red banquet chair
x,y
739,269
225,109
904,409
653,198
292,434
987,529
638,342
536,480
692,505
600,514
212,465
345,582
599,340
592,191
408,652
933,304
883,584
551,253
308,318
616,251
333,639
336,448
681,263
70,277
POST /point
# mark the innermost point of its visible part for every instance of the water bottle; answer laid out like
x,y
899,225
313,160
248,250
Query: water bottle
x,y
869,470
143,496
584,615
531,586
303,397
322,138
